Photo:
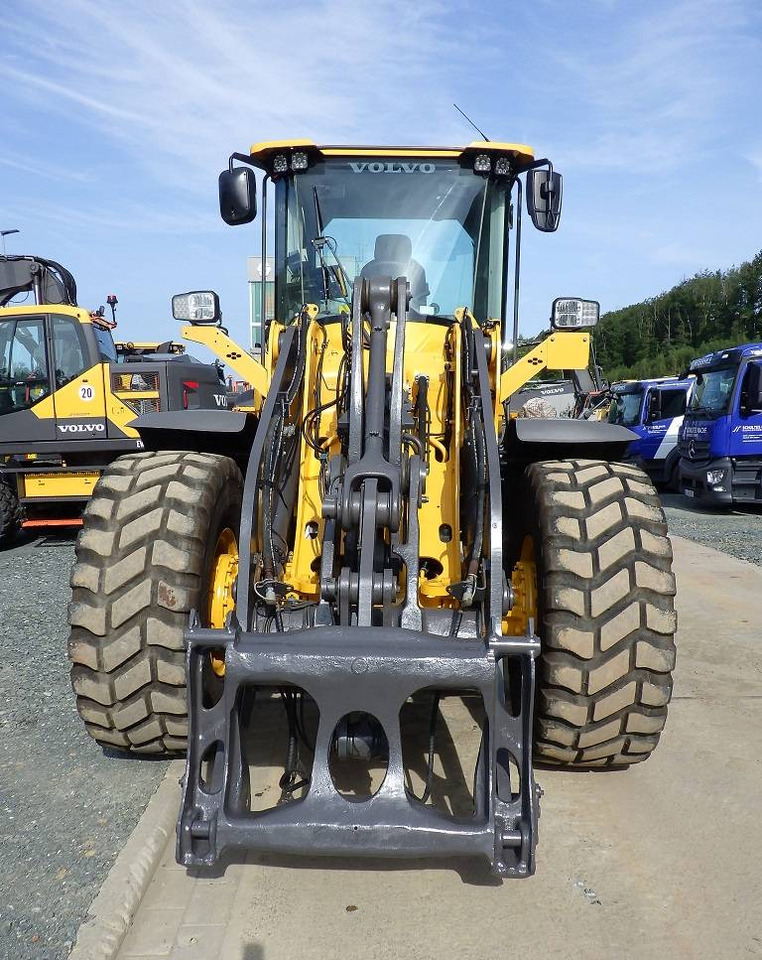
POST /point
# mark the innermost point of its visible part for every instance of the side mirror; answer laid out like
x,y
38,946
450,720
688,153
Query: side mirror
x,y
238,195
544,198
655,408
751,393
198,306
571,313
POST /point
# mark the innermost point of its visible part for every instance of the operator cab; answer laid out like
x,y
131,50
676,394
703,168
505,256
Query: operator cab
x,y
437,223
437,216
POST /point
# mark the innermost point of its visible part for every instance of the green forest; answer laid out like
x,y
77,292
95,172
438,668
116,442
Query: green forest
x,y
661,335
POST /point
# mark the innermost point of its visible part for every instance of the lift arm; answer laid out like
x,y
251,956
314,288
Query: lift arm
x,y
231,353
559,351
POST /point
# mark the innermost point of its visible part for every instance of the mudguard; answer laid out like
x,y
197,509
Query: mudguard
x,y
532,439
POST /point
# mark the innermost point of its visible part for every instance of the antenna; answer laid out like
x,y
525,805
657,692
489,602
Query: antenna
x,y
480,132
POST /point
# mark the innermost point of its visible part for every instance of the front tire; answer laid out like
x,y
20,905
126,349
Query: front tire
x,y
606,612
143,562
10,513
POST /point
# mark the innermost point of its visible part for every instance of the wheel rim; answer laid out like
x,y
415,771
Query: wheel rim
x,y
524,586
221,592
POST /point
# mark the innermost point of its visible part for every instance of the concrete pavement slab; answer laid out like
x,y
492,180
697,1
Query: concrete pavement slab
x,y
662,860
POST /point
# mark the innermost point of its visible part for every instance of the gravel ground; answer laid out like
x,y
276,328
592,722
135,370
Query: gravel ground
x,y
66,807
735,532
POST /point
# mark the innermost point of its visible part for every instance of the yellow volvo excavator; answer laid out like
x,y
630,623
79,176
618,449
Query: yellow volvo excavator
x,y
69,393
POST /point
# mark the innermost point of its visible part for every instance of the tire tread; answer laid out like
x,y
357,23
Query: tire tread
x,y
607,613
136,576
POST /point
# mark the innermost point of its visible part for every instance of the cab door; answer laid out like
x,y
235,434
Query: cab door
x,y
26,415
79,398
653,429
746,418
661,433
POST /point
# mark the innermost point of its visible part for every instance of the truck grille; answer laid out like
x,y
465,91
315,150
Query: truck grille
x,y
694,449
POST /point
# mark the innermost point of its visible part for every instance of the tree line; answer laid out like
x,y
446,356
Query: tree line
x,y
660,336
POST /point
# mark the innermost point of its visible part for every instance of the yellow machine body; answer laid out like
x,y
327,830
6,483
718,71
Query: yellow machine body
x,y
68,406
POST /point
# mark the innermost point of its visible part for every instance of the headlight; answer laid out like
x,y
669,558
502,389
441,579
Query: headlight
x,y
482,163
198,306
572,313
714,477
502,166
299,161
280,163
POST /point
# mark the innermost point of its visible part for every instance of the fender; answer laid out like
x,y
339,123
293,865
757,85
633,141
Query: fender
x,y
531,440
202,431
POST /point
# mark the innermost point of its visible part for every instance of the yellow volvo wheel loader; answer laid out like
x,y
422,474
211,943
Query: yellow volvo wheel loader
x,y
374,543
68,394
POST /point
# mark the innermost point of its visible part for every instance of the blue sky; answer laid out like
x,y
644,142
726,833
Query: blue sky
x,y
117,117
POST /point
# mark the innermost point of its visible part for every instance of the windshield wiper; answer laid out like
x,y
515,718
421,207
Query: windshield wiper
x,y
320,243
700,408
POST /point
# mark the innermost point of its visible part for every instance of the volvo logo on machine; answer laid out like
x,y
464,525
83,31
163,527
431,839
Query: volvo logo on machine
x,y
81,427
392,166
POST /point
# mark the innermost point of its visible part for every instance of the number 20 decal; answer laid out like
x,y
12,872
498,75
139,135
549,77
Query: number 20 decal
x,y
86,392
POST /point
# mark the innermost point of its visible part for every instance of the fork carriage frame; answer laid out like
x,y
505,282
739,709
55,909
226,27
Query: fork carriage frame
x,y
361,648
373,669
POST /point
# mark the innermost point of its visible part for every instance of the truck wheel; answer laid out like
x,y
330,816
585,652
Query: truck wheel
x,y
10,513
673,480
606,615
159,539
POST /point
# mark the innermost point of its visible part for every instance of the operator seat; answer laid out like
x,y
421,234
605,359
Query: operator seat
x,y
393,257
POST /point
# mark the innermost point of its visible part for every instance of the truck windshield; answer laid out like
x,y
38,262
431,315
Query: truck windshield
x,y
625,408
438,224
712,392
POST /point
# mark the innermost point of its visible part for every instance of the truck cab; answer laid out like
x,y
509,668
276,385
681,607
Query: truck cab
x,y
720,442
654,410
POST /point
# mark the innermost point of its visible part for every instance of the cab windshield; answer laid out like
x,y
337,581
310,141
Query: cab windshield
x,y
439,224
712,392
106,345
625,408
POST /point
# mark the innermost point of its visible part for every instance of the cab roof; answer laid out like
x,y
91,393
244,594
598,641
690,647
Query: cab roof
x,y
636,386
727,357
26,310
262,153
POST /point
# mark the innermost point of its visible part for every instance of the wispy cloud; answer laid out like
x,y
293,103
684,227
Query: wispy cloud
x,y
658,80
755,159
124,216
182,83
51,171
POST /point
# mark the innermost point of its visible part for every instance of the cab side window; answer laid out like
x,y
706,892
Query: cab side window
x,y
70,356
23,364
673,403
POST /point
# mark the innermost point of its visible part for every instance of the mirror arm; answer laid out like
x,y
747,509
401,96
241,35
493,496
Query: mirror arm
x,y
263,297
543,162
243,157
516,277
